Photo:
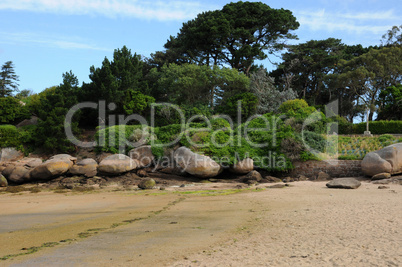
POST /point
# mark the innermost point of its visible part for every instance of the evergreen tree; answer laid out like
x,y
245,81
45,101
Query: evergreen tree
x,y
8,79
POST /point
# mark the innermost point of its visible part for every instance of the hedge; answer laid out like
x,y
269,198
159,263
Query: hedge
x,y
375,127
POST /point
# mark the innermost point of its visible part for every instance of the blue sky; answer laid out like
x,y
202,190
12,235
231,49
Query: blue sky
x,y
46,38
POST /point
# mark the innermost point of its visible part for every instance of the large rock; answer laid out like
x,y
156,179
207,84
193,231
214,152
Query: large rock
x,y
10,153
3,181
253,176
147,183
117,164
345,183
143,154
243,167
380,176
87,167
19,171
195,164
386,160
32,121
53,167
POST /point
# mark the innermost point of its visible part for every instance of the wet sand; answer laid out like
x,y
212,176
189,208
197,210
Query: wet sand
x,y
306,224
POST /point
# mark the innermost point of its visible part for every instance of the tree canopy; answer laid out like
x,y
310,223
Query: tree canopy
x,y
236,35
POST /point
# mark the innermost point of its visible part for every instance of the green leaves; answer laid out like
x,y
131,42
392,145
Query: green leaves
x,y
237,35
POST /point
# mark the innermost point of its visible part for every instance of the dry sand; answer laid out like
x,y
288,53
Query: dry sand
x,y
306,224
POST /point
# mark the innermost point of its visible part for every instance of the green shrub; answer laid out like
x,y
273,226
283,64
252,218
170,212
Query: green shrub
x,y
297,108
119,138
385,137
12,111
315,141
248,105
9,136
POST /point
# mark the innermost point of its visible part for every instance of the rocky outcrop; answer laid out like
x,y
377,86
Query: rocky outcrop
x,y
10,153
345,183
86,167
19,171
195,164
117,164
143,154
243,167
53,167
386,160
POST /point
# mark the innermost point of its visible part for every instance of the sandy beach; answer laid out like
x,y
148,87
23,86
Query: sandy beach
x,y
305,224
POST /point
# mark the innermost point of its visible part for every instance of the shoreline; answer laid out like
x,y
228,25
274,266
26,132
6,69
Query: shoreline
x,y
305,224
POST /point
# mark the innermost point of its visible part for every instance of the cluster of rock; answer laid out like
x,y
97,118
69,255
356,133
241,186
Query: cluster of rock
x,y
34,169
378,165
383,163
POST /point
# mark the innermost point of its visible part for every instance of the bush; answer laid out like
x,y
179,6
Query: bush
x,y
315,141
9,136
119,138
12,111
248,105
385,137
297,108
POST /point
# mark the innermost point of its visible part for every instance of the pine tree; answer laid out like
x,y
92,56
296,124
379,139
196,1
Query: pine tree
x,y
8,79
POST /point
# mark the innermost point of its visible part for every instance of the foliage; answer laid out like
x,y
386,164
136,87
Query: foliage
x,y
393,37
390,103
356,147
113,82
376,127
136,102
121,138
9,136
269,97
297,108
12,111
237,35
8,79
315,141
248,106
190,84
308,67
369,73
51,106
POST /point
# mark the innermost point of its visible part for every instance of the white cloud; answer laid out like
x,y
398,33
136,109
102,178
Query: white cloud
x,y
358,23
24,38
145,9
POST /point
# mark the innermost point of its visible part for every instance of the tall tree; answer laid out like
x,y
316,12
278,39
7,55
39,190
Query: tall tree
x,y
8,79
390,103
308,63
370,73
307,67
191,84
393,37
236,35
114,82
268,95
